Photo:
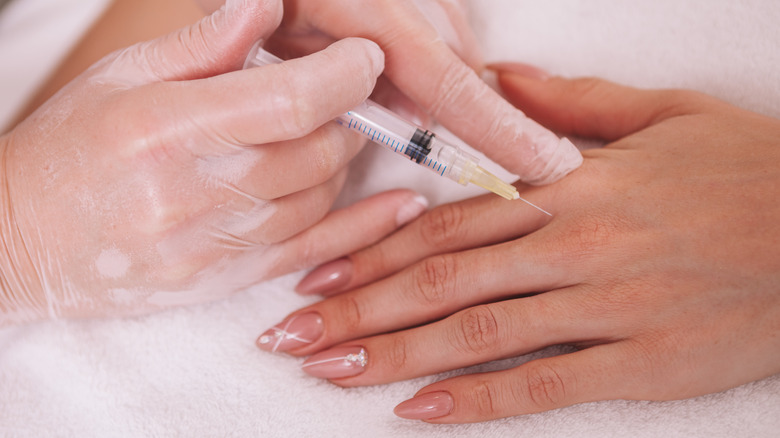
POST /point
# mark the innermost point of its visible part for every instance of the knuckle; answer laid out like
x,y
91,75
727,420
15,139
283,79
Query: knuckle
x,y
351,313
293,106
329,152
432,280
450,86
441,226
545,387
397,355
591,236
478,331
484,399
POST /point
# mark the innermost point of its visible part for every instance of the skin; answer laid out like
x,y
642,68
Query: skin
x,y
660,264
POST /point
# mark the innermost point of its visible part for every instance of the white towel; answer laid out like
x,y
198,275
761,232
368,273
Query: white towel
x,y
195,371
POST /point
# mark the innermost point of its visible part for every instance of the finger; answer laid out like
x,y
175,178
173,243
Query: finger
x,y
290,218
432,289
452,92
449,228
336,235
216,44
210,6
246,226
590,107
248,222
476,335
451,23
287,167
597,373
275,102
389,96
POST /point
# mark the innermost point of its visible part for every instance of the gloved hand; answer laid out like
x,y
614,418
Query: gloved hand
x,y
431,57
162,177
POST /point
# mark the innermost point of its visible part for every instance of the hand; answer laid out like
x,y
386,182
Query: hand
x,y
162,177
431,57
660,265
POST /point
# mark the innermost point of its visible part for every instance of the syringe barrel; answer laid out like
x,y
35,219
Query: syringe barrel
x,y
385,128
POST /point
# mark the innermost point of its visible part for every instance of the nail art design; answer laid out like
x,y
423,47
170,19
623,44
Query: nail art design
x,y
337,362
292,333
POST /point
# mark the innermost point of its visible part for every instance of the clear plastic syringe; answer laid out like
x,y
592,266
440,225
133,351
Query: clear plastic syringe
x,y
382,126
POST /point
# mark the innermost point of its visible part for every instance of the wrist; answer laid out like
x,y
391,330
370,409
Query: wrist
x,y
20,301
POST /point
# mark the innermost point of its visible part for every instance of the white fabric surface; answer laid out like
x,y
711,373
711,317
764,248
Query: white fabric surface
x,y
195,371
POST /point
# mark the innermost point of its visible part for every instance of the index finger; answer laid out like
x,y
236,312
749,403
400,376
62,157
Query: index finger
x,y
275,102
447,228
424,67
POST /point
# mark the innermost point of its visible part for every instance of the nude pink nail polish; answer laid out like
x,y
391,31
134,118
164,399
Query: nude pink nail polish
x,y
337,363
294,332
426,406
328,277
525,70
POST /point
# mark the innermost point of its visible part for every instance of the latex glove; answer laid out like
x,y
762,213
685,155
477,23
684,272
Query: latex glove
x,y
160,177
431,56
660,266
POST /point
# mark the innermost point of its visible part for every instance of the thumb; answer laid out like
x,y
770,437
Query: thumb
x,y
588,107
216,44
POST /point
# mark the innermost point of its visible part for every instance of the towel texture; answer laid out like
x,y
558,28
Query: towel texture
x,y
195,371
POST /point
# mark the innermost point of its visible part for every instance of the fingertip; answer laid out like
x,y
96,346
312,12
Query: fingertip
x,y
527,71
562,159
376,55
328,278
428,406
337,275
411,210
371,52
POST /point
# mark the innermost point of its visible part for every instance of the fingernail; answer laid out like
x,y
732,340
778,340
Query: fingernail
x,y
329,277
294,332
411,210
525,70
337,362
426,406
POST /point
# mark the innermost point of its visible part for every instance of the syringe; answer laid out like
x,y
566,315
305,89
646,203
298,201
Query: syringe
x,y
384,127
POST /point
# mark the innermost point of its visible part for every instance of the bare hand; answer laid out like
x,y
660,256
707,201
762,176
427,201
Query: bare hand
x,y
661,265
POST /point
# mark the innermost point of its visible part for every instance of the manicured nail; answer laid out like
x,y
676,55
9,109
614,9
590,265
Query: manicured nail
x,y
525,70
327,278
411,210
337,362
426,406
294,332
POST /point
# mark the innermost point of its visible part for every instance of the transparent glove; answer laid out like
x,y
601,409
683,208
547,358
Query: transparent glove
x,y
162,176
431,57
